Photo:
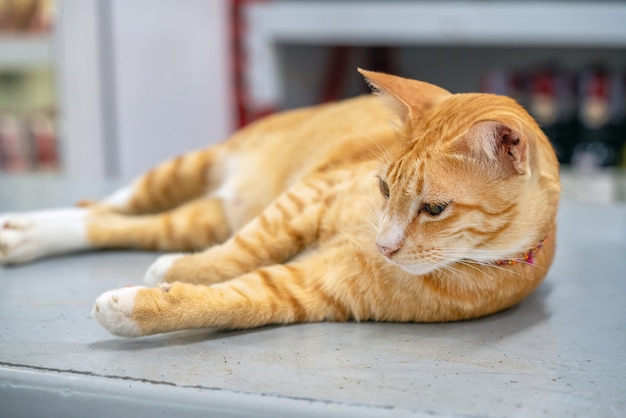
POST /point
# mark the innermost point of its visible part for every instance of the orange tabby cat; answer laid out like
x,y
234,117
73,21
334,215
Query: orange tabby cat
x,y
329,213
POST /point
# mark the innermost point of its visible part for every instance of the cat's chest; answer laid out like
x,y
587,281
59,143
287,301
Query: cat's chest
x,y
242,198
250,183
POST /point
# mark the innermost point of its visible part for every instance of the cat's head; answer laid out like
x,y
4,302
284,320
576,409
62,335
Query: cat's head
x,y
477,180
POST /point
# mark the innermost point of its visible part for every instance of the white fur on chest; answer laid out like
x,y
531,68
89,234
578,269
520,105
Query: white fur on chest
x,y
250,184
232,175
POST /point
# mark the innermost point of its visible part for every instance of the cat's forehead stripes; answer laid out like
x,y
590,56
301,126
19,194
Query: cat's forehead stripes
x,y
416,170
407,175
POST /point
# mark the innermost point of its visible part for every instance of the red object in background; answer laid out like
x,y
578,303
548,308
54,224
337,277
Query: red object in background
x,y
595,110
238,62
601,116
335,78
27,143
13,147
45,156
339,72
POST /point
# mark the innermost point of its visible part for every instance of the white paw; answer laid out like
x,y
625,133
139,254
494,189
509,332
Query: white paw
x,y
31,235
157,271
113,309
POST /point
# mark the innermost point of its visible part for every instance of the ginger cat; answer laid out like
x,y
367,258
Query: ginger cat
x,y
329,213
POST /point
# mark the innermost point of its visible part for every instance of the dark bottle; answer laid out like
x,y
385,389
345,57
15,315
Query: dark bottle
x,y
551,99
600,114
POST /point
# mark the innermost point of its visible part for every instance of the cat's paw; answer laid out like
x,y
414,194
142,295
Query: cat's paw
x,y
113,310
157,271
32,235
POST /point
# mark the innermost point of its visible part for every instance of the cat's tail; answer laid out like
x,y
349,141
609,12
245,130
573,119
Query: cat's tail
x,y
169,184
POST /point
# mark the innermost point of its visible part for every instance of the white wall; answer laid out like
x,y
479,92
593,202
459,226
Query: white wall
x,y
140,81
171,85
79,74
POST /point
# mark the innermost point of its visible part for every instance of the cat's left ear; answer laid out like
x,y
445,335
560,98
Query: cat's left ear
x,y
498,143
407,98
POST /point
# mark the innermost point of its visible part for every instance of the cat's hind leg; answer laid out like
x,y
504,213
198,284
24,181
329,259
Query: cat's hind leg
x,y
192,226
31,235
170,183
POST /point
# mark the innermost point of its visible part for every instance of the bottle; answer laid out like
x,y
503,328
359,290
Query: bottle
x,y
551,100
600,111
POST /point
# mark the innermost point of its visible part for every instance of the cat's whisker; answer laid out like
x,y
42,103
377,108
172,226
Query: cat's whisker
x,y
372,218
487,263
485,253
441,262
380,153
449,269
475,266
372,223
491,265
479,264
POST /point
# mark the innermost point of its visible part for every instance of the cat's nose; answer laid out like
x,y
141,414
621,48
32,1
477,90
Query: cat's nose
x,y
388,250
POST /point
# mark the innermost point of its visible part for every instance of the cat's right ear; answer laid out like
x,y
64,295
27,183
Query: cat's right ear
x,y
408,98
497,143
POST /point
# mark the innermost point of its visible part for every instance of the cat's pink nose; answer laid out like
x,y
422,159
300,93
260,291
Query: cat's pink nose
x,y
388,250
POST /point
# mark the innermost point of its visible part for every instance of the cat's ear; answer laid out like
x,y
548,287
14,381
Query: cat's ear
x,y
407,98
497,143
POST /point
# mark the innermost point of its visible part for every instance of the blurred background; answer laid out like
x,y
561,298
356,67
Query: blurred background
x,y
109,88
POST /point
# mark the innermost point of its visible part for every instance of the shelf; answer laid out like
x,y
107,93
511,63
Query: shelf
x,y
445,23
22,52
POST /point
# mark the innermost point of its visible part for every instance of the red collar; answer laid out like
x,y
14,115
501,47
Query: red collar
x,y
527,258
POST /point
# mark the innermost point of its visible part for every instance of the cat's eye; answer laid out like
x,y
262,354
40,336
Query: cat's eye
x,y
384,188
434,209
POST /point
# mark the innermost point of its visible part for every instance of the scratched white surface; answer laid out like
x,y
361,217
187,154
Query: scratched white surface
x,y
561,352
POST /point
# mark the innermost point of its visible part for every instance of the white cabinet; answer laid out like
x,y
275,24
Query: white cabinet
x,y
140,82
136,82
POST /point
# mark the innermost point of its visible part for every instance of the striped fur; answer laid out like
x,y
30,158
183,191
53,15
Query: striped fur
x,y
289,224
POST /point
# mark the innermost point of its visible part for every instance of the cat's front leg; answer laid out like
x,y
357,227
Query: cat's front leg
x,y
278,294
114,311
285,228
28,236
158,270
